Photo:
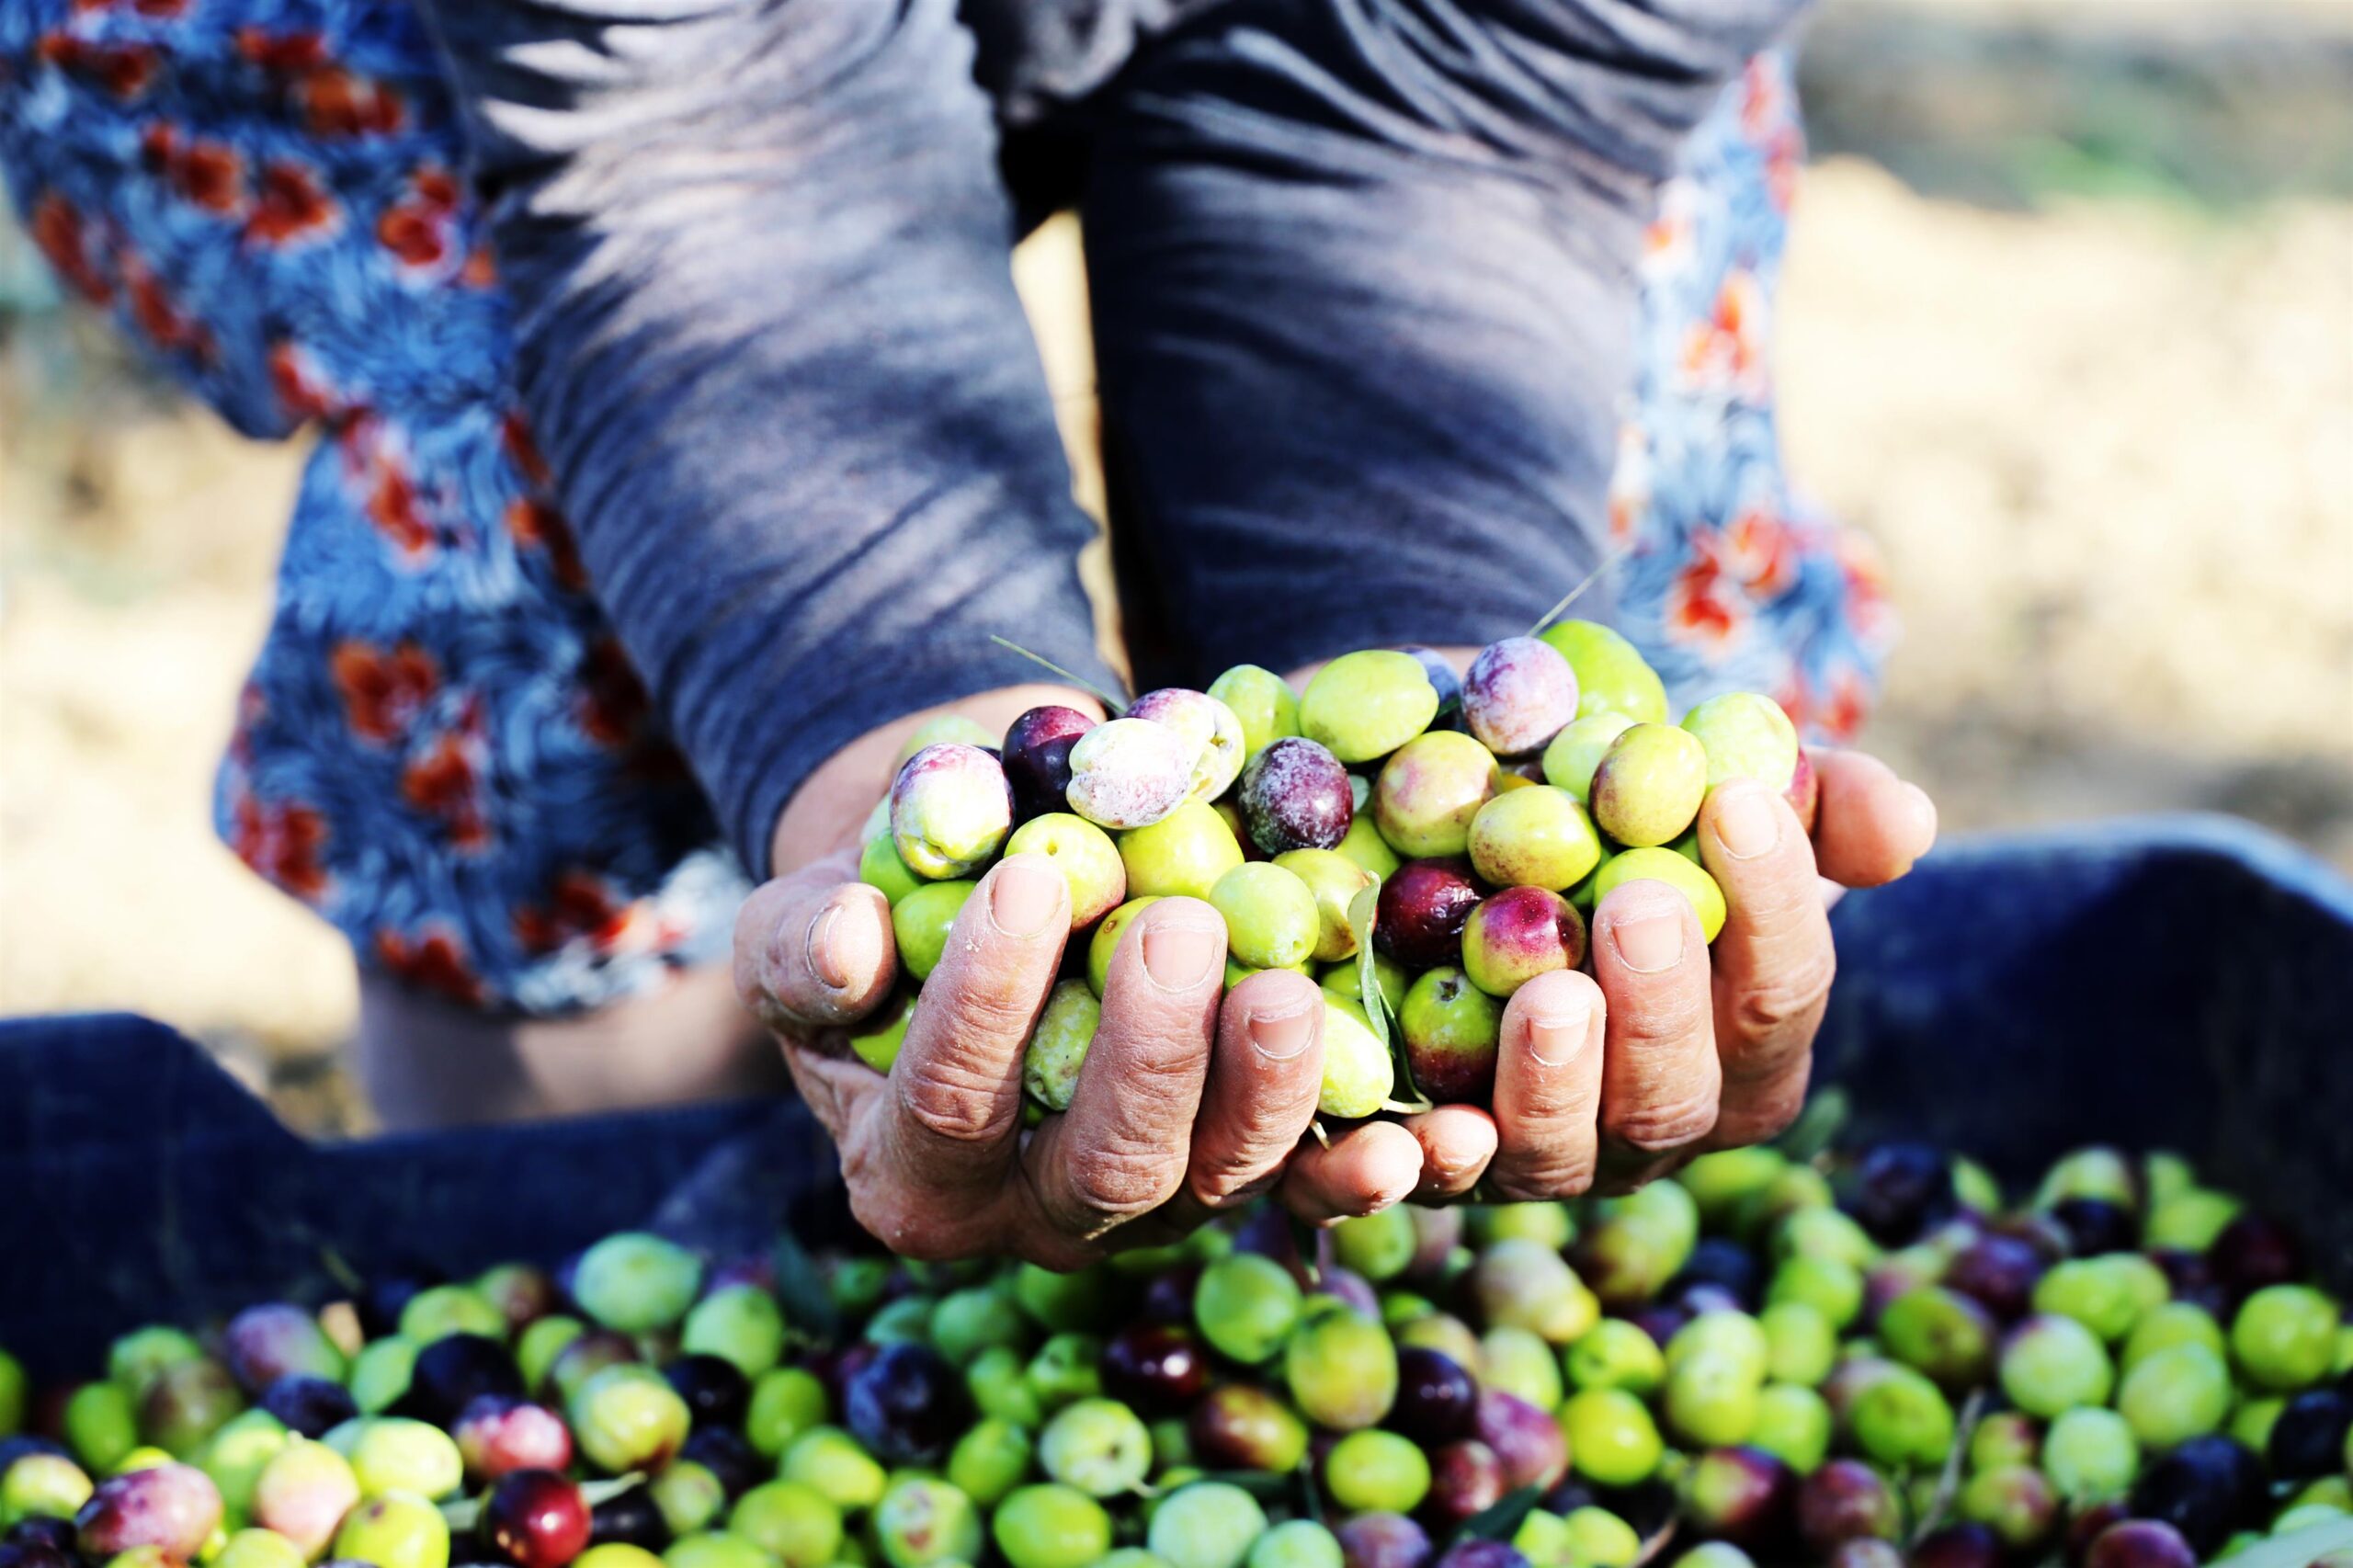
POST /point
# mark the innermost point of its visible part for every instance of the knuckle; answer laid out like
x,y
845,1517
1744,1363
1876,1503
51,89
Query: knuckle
x,y
1544,1181
955,1104
1663,1126
1791,998
1119,1179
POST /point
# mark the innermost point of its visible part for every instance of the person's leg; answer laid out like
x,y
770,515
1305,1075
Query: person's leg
x,y
424,1062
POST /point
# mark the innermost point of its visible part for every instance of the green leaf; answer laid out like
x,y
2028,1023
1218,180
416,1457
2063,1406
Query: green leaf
x,y
1114,706
800,1288
1817,1126
1266,1485
1363,910
2300,1550
1501,1519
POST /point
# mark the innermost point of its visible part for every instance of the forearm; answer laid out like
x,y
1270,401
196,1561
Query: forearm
x,y
769,340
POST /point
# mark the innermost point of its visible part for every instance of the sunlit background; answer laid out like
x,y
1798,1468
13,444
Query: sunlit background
x,y
2067,329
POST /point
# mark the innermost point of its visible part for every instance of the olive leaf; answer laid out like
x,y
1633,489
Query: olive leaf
x,y
1817,1126
800,1288
1363,910
1266,1485
1501,1519
2297,1550
1600,570
1114,706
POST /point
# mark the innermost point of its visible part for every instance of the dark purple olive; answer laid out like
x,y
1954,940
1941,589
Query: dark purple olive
x,y
1898,1190
2308,1438
2254,1251
1295,795
536,1519
1959,1546
42,1530
2141,1544
716,1392
1437,1402
2207,1488
1466,1477
630,1520
1422,908
908,1405
1844,1500
1036,758
1169,1298
308,1405
1998,1273
728,1455
382,1300
455,1370
1721,1262
2096,1226
1383,1541
1154,1368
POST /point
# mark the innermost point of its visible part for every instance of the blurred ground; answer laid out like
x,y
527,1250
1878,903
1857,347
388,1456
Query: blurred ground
x,y
2090,388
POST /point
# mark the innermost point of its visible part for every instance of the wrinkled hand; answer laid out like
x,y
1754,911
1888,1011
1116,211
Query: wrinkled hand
x,y
1186,1104
1189,1102
1668,1048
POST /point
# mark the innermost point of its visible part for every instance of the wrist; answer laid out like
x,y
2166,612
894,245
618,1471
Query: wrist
x,y
826,813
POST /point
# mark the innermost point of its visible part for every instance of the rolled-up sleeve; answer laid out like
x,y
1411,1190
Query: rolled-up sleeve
x,y
768,337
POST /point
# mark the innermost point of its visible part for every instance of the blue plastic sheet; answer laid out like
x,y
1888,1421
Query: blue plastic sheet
x,y
2180,983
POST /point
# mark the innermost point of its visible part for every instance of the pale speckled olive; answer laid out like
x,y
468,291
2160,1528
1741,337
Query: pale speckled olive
x,y
1209,726
951,810
1128,773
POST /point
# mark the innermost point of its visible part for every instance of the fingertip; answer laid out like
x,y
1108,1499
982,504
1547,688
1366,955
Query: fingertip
x,y
1279,1011
1365,1170
1561,1005
1179,945
1026,897
1646,927
1917,817
1456,1143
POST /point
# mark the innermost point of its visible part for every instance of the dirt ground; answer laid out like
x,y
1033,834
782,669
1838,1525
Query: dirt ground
x,y
2106,447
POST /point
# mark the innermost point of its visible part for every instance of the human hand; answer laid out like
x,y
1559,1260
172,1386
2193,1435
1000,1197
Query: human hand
x,y
1189,1102
1669,1047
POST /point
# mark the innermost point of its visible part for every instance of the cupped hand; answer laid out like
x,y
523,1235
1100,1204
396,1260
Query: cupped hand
x,y
1189,1102
1668,1048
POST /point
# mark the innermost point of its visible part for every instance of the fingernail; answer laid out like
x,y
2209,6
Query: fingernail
x,y
1649,943
825,955
1746,825
1179,955
1557,1034
1023,898
1279,1035
1923,812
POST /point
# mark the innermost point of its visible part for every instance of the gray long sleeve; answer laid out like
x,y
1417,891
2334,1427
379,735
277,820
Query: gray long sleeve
x,y
768,338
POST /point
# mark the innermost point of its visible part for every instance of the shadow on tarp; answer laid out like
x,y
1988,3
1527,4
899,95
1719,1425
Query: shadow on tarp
x,y
2177,981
